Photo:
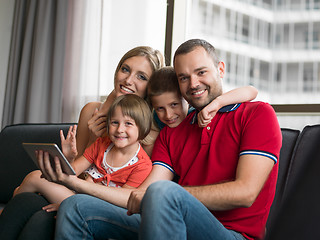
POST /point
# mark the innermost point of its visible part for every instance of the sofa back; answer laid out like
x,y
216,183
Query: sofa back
x,y
297,217
15,163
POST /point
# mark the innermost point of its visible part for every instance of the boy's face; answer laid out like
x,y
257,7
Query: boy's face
x,y
170,108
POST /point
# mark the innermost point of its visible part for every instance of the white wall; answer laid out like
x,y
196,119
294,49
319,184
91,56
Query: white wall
x,y
6,19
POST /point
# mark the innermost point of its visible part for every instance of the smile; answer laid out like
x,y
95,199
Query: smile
x,y
126,89
171,121
198,93
120,137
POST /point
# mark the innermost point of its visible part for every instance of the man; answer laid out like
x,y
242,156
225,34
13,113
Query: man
x,y
227,170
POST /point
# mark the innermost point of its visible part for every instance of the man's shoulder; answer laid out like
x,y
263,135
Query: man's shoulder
x,y
256,106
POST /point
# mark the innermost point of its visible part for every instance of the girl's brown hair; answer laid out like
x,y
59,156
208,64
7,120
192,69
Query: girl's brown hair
x,y
136,108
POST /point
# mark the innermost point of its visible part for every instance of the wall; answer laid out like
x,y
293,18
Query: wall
x,y
6,19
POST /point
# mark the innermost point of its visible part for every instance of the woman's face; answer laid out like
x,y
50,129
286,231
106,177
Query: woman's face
x,y
133,76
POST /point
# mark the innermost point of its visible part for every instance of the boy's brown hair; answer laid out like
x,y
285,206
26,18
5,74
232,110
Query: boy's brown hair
x,y
161,81
136,108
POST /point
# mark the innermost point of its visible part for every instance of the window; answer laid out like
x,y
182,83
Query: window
x,y
127,24
264,46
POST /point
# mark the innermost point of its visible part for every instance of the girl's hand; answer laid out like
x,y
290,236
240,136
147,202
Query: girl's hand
x,y
69,144
97,125
51,207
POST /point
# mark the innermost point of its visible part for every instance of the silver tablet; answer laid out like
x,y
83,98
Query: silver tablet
x,y
53,151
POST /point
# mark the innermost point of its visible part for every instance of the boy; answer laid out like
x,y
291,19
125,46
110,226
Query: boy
x,y
170,108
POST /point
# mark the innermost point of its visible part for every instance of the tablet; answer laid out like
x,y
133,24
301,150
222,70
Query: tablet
x,y
53,151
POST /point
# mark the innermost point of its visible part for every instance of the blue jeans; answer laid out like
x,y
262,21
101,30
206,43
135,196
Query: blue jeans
x,y
167,212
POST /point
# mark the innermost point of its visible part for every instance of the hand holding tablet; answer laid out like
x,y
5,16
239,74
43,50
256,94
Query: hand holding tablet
x,y
53,151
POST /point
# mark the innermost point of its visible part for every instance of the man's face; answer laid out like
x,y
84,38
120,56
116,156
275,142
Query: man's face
x,y
199,79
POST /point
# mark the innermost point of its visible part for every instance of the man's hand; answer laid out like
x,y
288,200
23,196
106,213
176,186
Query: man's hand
x,y
69,144
134,201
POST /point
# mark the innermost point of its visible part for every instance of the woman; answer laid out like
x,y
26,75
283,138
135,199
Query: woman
x,y
131,77
23,217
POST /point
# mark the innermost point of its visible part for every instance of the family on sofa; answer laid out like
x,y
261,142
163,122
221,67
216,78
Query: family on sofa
x,y
223,149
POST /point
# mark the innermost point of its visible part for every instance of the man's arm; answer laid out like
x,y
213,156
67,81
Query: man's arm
x,y
252,173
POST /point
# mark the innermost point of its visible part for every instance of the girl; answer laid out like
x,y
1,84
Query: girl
x,y
116,160
24,212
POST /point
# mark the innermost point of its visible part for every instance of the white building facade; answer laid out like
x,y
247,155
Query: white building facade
x,y
271,44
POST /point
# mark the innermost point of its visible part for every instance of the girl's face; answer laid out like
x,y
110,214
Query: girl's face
x,y
123,131
170,108
133,76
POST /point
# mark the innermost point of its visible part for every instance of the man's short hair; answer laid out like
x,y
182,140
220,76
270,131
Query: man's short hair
x,y
191,44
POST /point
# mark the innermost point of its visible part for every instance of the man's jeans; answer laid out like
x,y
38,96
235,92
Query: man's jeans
x,y
167,212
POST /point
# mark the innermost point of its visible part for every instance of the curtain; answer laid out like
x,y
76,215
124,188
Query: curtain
x,y
53,45
82,59
36,62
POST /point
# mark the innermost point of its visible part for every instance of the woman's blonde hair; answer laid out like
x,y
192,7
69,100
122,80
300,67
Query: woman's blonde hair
x,y
136,108
155,57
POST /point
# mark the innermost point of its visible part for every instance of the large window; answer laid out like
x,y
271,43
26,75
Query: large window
x,y
127,24
265,46
110,28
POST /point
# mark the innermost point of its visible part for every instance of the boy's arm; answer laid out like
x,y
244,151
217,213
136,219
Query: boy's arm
x,y
238,95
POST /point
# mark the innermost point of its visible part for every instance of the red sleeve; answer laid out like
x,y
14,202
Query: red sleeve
x,y
261,133
141,170
160,152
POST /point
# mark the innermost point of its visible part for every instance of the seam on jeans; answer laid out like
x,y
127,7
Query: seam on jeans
x,y
93,218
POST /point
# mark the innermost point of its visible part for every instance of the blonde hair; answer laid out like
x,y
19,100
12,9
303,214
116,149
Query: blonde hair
x,y
136,108
155,57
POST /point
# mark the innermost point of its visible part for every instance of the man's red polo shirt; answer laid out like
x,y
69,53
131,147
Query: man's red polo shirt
x,y
202,156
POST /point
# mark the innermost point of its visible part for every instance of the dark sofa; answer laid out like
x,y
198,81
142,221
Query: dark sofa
x,y
15,163
298,181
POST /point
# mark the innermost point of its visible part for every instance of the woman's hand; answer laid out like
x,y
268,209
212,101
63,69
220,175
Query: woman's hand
x,y
97,125
53,173
69,144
